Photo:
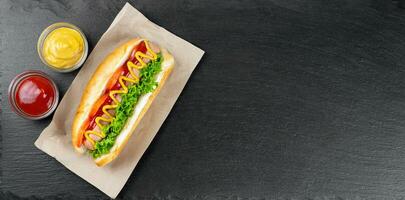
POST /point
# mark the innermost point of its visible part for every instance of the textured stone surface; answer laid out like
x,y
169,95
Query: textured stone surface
x,y
292,100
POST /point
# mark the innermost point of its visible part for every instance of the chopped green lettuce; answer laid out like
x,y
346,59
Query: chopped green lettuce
x,y
127,105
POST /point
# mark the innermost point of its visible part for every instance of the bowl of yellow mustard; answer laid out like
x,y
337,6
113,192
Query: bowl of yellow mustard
x,y
62,47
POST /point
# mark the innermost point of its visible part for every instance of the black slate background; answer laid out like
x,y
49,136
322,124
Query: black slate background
x,y
292,100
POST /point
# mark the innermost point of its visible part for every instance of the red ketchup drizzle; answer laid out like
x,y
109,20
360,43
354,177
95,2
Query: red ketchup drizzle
x,y
124,72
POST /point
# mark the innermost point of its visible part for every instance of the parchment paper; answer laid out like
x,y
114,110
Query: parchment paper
x,y
55,140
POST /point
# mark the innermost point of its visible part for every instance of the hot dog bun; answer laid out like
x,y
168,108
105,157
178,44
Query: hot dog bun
x,y
96,87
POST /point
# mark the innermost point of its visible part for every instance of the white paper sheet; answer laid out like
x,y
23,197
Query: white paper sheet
x,y
55,140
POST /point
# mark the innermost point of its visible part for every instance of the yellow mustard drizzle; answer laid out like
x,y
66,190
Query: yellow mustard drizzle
x,y
124,89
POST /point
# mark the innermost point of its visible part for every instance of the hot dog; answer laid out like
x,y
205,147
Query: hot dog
x,y
117,96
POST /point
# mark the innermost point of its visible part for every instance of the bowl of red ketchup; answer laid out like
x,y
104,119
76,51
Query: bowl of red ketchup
x,y
33,95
